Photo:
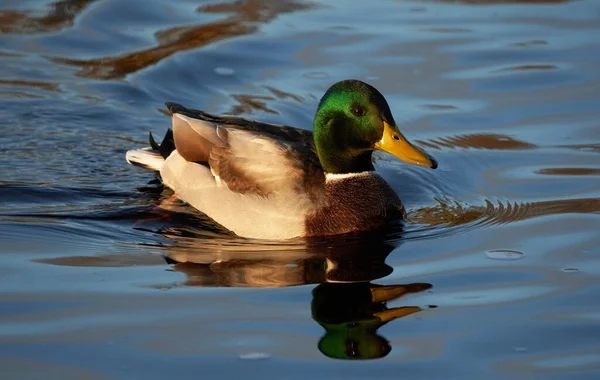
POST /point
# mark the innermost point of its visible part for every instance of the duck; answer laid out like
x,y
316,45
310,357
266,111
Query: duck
x,y
278,182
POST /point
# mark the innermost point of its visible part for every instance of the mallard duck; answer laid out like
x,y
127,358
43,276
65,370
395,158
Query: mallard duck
x,y
269,181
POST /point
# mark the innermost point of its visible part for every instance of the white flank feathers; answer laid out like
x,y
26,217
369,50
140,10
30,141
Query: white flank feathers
x,y
274,217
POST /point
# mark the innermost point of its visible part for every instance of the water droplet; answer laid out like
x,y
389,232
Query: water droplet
x,y
224,71
570,270
291,265
504,254
255,356
520,349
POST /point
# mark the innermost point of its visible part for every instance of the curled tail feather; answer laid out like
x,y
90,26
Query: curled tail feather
x,y
154,157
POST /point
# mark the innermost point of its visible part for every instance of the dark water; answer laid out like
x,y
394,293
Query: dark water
x,y
496,275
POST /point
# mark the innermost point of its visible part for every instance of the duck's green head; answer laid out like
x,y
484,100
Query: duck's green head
x,y
352,120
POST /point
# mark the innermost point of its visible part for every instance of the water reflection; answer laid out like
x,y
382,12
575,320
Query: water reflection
x,y
244,18
264,266
348,306
61,15
352,313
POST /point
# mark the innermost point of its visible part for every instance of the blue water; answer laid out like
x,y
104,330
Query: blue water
x,y
496,274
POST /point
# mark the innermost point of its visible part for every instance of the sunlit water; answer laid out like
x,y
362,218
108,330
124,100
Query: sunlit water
x,y
495,275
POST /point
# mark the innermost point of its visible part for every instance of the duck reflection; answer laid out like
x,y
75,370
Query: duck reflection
x,y
254,270
345,303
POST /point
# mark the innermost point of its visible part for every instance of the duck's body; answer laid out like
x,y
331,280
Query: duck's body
x,y
267,181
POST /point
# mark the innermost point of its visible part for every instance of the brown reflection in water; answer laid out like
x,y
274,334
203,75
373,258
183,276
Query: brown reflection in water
x,y
238,263
529,43
453,213
19,94
478,141
568,171
249,103
105,261
528,67
6,54
284,95
23,83
278,272
59,17
246,15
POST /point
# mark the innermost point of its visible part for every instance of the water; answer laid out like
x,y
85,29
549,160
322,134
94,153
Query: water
x,y
496,275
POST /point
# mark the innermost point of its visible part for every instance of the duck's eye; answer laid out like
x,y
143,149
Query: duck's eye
x,y
357,110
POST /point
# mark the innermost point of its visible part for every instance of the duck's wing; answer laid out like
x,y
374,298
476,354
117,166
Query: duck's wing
x,y
248,156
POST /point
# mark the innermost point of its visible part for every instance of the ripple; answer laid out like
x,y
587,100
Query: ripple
x,y
570,270
489,296
439,107
449,30
506,71
224,71
530,43
583,147
316,75
477,141
504,254
255,356
193,237
453,214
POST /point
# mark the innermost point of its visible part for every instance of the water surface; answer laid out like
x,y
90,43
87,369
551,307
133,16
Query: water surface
x,y
495,275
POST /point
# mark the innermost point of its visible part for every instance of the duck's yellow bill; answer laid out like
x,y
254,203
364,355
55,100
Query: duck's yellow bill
x,y
393,142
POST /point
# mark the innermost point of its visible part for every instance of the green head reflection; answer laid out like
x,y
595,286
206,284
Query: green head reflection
x,y
351,314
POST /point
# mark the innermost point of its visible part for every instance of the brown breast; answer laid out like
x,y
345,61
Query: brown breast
x,y
360,203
